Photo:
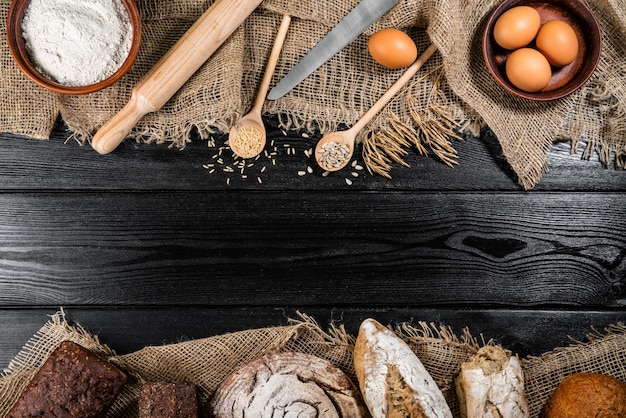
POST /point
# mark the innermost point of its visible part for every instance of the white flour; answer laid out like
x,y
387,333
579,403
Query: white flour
x,y
77,42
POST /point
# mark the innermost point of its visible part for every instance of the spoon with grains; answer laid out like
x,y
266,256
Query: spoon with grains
x,y
335,150
247,136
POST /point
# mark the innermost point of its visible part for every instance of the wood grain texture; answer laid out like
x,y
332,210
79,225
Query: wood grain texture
x,y
147,246
61,164
127,329
399,248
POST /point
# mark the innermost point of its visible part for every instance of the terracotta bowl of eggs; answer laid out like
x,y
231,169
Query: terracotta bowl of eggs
x,y
542,50
74,51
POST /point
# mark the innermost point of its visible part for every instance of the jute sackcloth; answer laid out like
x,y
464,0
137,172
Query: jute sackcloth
x,y
453,92
206,362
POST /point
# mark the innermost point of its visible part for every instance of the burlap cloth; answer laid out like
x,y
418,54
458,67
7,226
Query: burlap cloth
x,y
453,92
206,362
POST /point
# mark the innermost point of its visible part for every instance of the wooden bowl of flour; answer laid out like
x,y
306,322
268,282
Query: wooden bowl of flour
x,y
99,47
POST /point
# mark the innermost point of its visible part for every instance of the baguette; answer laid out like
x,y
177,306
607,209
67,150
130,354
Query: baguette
x,y
491,385
392,379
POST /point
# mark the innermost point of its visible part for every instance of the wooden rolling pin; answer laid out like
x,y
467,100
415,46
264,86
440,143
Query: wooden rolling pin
x,y
168,75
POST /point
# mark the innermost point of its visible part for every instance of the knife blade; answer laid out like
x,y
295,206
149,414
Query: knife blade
x,y
348,29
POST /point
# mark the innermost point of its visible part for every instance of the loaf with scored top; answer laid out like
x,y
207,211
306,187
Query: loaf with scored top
x,y
287,384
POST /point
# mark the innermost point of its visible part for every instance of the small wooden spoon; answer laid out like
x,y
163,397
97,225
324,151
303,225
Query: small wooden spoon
x,y
247,137
335,150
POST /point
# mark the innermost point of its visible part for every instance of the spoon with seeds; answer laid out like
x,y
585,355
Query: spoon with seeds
x,y
335,150
247,137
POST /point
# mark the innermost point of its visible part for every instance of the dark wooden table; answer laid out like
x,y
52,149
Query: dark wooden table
x,y
148,245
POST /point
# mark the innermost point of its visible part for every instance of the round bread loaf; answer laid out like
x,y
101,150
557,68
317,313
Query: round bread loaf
x,y
586,395
287,384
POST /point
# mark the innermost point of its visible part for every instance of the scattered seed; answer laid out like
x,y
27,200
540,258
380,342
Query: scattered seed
x,y
349,182
309,169
301,173
355,174
305,135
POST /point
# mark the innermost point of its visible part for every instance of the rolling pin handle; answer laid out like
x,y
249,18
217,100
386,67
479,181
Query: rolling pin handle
x,y
111,134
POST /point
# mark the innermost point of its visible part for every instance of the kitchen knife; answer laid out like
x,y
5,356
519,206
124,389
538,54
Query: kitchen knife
x,y
360,18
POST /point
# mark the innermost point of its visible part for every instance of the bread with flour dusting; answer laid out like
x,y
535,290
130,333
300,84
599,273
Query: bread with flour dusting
x,y
288,385
393,380
491,385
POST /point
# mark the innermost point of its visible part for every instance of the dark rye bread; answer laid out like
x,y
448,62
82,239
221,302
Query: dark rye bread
x,y
72,382
168,400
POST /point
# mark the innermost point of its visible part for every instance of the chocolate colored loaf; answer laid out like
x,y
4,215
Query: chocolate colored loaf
x,y
72,382
168,400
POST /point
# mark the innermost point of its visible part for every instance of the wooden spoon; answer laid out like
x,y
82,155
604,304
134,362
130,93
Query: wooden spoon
x,y
335,150
247,137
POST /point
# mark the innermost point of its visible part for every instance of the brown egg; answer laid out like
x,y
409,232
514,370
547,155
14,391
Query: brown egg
x,y
516,27
557,41
528,70
392,48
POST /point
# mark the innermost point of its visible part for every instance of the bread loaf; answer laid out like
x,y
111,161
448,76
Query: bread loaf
x,y
587,395
491,385
72,382
393,380
168,400
287,384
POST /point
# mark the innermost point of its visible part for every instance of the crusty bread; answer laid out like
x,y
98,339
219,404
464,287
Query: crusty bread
x,y
587,395
72,382
393,381
491,385
287,384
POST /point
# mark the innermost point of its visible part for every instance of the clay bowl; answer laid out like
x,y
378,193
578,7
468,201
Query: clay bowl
x,y
565,80
20,55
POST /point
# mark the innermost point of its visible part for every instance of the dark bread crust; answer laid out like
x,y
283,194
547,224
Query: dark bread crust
x,y
72,382
168,400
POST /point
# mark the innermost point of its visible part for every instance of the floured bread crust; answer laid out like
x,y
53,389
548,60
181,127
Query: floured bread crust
x,y
393,380
491,385
287,385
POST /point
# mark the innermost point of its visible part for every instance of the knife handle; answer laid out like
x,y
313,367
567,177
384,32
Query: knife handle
x,y
169,74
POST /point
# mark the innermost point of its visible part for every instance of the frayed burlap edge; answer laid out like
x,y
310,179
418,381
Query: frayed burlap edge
x,y
441,350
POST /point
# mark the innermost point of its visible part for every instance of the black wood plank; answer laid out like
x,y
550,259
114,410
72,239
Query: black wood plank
x,y
526,332
267,248
61,164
